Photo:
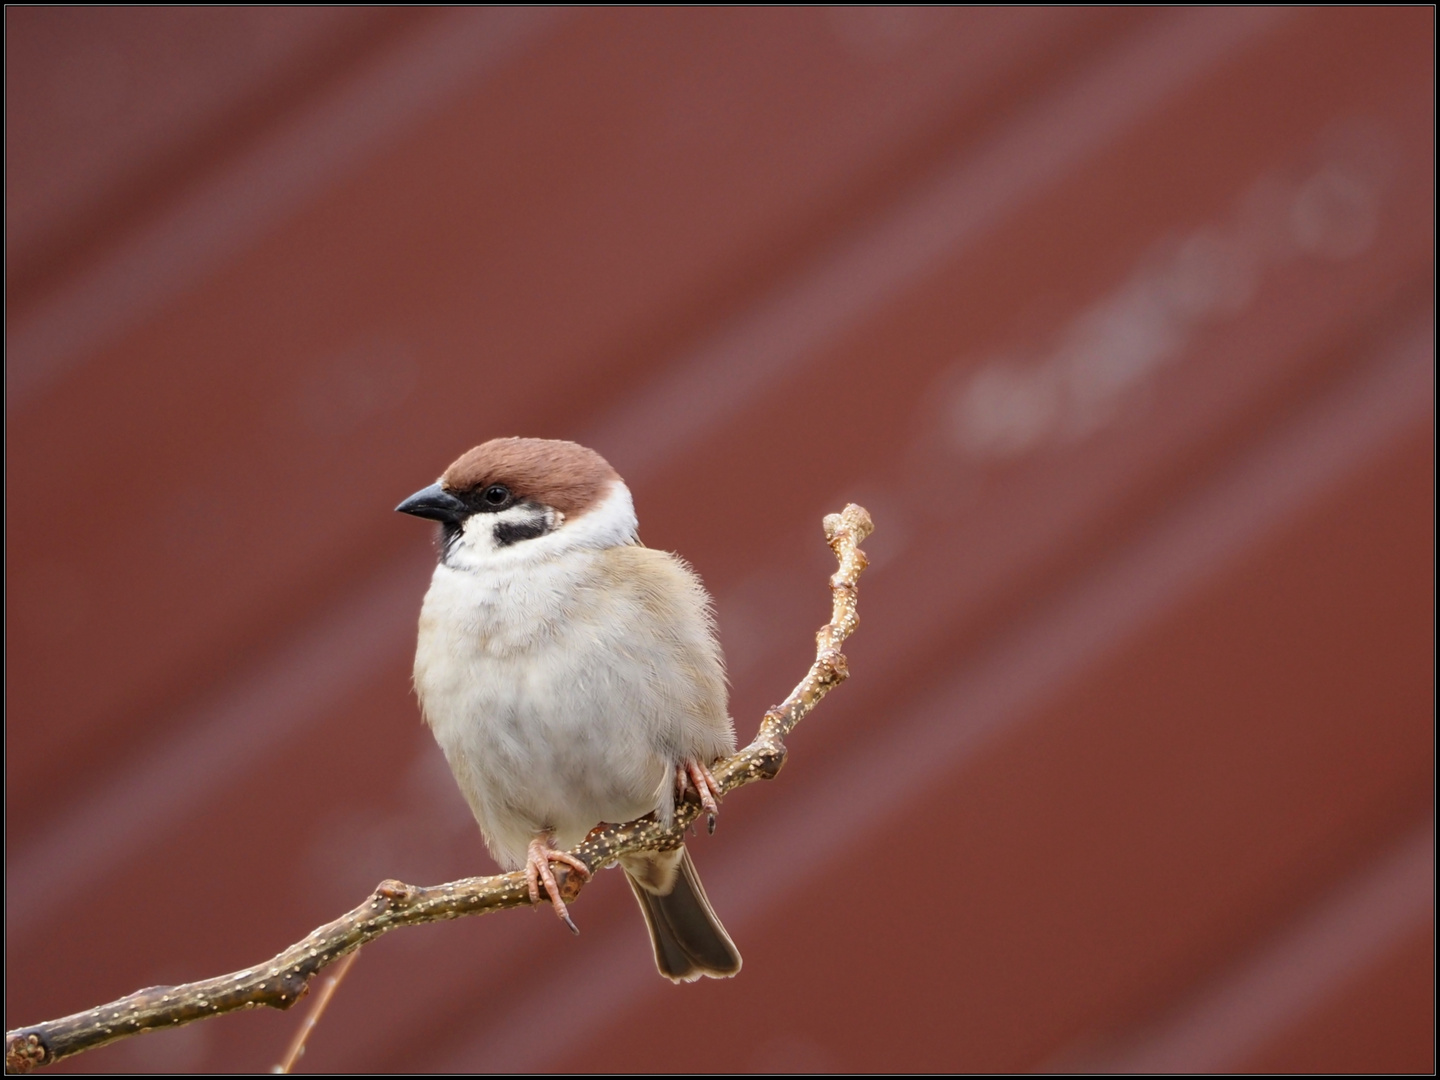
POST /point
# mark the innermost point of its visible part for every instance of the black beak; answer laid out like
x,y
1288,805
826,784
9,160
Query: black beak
x,y
436,503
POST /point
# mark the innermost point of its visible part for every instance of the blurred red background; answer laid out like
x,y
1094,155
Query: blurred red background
x,y
1119,321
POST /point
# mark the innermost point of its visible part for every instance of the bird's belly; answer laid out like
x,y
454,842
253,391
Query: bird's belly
x,y
541,738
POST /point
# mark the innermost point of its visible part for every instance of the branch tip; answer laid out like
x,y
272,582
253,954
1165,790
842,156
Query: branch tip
x,y
24,1050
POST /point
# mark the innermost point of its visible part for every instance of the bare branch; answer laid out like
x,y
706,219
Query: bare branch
x,y
283,980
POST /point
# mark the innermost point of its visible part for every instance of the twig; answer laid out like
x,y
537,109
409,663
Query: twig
x,y
322,999
283,980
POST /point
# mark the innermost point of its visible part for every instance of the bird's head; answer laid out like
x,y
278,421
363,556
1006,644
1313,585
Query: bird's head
x,y
519,498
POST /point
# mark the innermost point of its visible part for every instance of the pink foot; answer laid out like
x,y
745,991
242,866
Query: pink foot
x,y
693,773
538,858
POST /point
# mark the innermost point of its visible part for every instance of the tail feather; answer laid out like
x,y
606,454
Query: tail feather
x,y
687,937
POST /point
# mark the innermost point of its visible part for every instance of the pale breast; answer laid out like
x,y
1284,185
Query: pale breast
x,y
564,695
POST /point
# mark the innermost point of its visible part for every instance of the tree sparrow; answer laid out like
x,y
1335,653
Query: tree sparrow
x,y
572,676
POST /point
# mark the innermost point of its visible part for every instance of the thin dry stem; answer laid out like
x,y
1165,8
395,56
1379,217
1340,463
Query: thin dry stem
x,y
317,1010
283,980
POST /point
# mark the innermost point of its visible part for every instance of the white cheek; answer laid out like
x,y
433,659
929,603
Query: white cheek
x,y
477,543
477,535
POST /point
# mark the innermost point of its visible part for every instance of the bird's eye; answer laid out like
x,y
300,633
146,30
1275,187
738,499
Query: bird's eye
x,y
496,494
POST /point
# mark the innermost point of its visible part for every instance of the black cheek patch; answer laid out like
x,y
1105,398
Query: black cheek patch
x,y
509,532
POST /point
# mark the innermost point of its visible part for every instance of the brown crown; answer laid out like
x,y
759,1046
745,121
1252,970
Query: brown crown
x,y
553,472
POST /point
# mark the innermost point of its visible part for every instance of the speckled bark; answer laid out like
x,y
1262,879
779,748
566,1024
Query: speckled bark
x,y
283,980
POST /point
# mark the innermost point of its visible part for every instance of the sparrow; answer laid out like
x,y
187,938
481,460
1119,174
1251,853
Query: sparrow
x,y
572,676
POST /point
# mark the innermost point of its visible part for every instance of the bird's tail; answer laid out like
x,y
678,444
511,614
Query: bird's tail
x,y
687,937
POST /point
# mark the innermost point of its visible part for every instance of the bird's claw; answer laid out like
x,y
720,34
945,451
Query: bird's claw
x,y
538,858
692,773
